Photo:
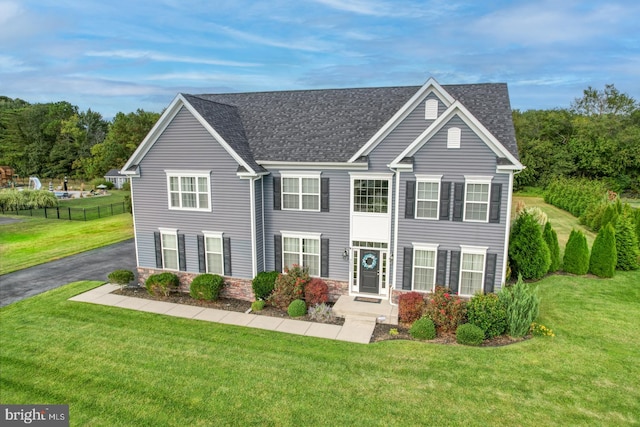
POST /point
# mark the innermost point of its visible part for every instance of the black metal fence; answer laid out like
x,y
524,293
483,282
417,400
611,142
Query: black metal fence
x,y
72,214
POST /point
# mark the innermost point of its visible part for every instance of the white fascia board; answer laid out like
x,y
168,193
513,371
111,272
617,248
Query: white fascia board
x,y
478,128
273,164
431,86
155,132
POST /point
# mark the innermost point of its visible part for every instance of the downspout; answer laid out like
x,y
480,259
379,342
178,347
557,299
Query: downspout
x,y
264,258
395,235
254,258
507,229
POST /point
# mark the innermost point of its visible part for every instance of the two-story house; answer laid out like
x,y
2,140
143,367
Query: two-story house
x,y
375,190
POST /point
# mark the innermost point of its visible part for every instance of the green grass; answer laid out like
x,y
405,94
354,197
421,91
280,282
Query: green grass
x,y
562,221
35,241
114,196
117,367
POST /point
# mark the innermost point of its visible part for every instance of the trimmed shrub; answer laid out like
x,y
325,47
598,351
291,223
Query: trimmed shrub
x,y
297,308
551,239
626,244
121,277
423,329
636,215
257,305
576,254
316,292
522,304
604,256
263,284
162,284
528,252
206,287
610,215
575,195
446,310
468,334
410,307
320,313
487,312
289,287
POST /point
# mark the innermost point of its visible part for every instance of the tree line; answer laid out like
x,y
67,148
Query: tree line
x,y
52,140
597,137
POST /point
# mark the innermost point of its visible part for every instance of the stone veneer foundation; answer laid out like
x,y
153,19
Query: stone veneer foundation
x,y
235,287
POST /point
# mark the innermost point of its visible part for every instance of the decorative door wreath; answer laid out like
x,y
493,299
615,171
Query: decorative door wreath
x,y
369,261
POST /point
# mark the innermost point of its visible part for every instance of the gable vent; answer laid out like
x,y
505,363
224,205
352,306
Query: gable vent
x,y
431,109
453,138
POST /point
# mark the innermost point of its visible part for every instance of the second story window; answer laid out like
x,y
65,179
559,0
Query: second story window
x,y
301,193
189,190
371,195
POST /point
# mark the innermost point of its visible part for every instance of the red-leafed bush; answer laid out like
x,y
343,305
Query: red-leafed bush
x,y
289,287
446,310
410,306
316,292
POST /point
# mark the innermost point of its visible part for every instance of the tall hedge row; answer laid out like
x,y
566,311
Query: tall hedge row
x,y
575,195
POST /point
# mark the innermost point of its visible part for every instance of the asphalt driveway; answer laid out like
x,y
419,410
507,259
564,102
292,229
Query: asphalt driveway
x,y
90,265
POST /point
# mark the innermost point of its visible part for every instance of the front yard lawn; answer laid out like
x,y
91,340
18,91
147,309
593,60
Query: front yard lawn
x,y
120,367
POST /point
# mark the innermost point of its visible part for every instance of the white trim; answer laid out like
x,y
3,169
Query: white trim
x,y
171,173
482,180
252,215
300,176
505,255
427,247
473,250
431,109
300,236
379,175
454,135
427,179
168,230
458,109
321,166
173,232
395,234
167,117
215,235
264,247
133,216
430,86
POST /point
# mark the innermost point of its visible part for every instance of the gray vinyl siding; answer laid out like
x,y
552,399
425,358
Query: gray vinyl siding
x,y
472,158
333,225
186,145
259,226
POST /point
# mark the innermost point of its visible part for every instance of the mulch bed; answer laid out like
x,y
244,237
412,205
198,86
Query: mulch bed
x,y
382,332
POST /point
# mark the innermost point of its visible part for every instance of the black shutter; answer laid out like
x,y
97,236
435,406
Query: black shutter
x,y
496,199
182,253
490,273
410,200
276,193
158,242
441,271
324,195
226,252
324,257
454,272
202,262
277,252
458,201
407,270
445,200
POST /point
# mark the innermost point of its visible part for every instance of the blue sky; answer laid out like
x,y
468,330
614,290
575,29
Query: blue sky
x,y
120,55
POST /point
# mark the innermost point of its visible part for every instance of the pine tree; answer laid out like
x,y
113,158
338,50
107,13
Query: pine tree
x,y
576,254
528,253
626,244
551,239
603,253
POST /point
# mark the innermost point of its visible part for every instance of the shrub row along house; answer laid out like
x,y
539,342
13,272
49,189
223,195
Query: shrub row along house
x,y
375,190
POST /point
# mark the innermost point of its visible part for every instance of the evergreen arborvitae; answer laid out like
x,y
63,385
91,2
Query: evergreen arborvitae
x,y
528,253
610,215
551,238
576,254
636,215
603,253
626,244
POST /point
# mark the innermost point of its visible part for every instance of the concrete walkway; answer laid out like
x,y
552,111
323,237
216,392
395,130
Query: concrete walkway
x,y
357,329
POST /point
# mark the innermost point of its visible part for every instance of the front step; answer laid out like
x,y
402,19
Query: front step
x,y
382,312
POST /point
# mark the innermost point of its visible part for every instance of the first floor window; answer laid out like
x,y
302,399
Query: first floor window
x,y
471,273
169,250
213,250
189,191
303,251
424,269
476,200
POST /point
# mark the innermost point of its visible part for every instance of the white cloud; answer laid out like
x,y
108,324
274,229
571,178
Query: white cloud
x,y
304,44
161,57
9,64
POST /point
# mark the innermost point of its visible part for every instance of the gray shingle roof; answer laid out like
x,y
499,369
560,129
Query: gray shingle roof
x,y
332,125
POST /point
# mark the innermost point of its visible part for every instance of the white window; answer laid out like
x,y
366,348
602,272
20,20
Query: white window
x,y
476,199
301,192
370,195
213,253
169,239
424,267
428,197
303,250
189,190
431,109
472,270
453,138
